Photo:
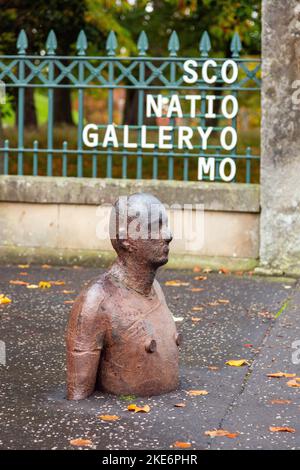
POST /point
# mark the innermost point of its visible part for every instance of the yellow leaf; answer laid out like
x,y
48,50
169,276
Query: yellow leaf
x,y
221,433
4,299
196,393
200,278
81,442
139,409
281,429
57,283
108,417
281,374
223,301
46,266
68,291
176,283
197,309
23,266
237,363
44,285
32,286
182,445
294,383
69,301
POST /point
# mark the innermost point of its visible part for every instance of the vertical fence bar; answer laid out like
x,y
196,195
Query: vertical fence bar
x,y
22,45
185,168
124,165
142,46
6,153
155,164
65,159
81,46
35,157
51,45
248,165
94,165
173,47
111,45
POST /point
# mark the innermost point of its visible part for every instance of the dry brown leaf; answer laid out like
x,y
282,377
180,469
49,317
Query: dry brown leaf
x,y
223,301
221,433
281,429
68,291
23,274
81,442
138,409
200,278
213,304
207,270
109,417
176,283
294,383
196,393
224,270
281,374
19,283
213,367
23,266
197,309
46,266
196,289
196,319
180,405
182,445
4,299
280,402
197,269
237,363
69,301
57,283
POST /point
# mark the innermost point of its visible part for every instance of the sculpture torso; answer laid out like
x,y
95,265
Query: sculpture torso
x,y
136,334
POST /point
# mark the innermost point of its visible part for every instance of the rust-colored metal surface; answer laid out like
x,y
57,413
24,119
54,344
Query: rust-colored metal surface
x,y
121,336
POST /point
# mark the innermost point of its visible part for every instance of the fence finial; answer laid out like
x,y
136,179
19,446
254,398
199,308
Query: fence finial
x,y
51,43
173,44
81,44
22,42
205,44
111,44
142,43
235,45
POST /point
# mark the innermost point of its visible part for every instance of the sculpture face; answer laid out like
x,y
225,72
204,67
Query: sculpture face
x,y
121,336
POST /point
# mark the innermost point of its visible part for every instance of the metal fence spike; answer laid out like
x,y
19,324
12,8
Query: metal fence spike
x,y
143,43
235,45
173,44
205,44
111,44
81,44
51,43
22,42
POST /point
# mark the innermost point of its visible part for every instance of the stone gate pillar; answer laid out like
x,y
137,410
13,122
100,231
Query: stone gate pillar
x,y
280,132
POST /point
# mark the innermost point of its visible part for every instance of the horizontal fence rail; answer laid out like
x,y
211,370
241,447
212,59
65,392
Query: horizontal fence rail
x,y
143,73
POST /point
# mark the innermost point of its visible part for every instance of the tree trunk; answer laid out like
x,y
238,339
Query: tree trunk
x,y
131,106
30,117
63,106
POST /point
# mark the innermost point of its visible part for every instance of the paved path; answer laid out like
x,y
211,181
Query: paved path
x,y
35,415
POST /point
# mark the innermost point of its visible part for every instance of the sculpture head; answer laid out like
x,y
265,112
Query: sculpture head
x,y
139,229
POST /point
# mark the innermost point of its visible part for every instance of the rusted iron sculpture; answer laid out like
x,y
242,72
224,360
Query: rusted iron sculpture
x,y
121,336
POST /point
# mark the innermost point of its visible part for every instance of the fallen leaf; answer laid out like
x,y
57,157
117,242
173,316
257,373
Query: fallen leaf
x,y
196,289
4,299
237,362
223,301
248,345
108,417
224,270
239,273
196,319
68,291
280,402
221,433
265,314
200,278
177,319
294,383
32,286
23,266
281,374
23,274
19,283
176,283
57,283
207,270
197,269
197,309
44,285
281,429
138,409
213,304
196,393
213,367
69,301
81,442
180,405
182,445
46,266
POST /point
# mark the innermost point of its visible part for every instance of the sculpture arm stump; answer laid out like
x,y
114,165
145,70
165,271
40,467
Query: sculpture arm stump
x,y
84,340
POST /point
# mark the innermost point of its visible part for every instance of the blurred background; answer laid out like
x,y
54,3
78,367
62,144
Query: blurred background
x,y
220,18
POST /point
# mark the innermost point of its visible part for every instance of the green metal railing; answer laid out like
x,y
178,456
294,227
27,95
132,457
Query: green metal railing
x,y
157,75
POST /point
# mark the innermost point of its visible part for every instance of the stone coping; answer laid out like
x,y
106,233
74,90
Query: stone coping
x,y
227,197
